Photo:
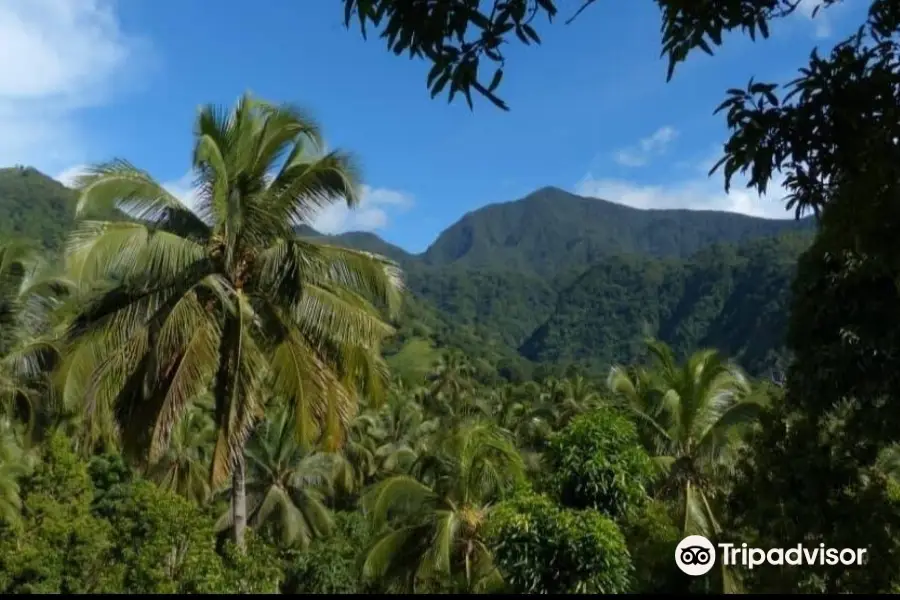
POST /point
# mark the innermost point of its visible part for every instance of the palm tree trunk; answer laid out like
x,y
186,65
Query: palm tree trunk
x,y
239,501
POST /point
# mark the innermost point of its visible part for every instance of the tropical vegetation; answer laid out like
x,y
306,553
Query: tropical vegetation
x,y
213,399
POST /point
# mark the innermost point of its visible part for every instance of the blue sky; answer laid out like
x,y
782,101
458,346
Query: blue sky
x,y
88,80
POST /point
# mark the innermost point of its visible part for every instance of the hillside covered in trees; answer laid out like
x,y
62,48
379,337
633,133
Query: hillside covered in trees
x,y
555,279
211,400
215,399
734,298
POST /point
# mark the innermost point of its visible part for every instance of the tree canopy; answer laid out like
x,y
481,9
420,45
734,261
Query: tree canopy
x,y
464,39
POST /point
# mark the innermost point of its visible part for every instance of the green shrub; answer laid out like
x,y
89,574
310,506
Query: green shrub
x,y
59,547
543,549
597,462
330,565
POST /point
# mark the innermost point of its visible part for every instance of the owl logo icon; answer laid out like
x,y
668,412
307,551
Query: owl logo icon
x,y
695,555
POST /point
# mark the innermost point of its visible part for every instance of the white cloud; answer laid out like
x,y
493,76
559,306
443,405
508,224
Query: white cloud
x,y
372,212
68,176
653,145
183,188
821,21
695,193
56,57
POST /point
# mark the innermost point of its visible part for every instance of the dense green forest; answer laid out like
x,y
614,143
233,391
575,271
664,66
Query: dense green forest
x,y
731,298
218,399
438,470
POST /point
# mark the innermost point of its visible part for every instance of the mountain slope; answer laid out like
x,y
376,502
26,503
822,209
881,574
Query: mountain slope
x,y
361,240
553,278
552,230
35,207
734,298
506,304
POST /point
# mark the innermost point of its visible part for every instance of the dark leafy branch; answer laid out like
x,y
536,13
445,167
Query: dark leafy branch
x,y
834,123
457,37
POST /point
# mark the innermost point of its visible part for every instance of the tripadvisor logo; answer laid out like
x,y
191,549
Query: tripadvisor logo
x,y
695,555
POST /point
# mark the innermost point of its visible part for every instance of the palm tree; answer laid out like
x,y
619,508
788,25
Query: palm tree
x,y
29,296
286,483
521,412
403,431
692,415
385,441
450,381
429,524
224,294
356,463
634,388
575,396
184,466
507,407
692,418
451,395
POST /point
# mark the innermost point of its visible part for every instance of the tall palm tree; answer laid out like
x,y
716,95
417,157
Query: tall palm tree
x,y
286,482
429,523
692,416
224,294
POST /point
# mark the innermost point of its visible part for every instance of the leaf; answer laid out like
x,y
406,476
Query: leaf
x,y
440,83
495,81
531,33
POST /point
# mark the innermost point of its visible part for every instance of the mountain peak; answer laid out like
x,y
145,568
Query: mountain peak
x,y
551,230
549,189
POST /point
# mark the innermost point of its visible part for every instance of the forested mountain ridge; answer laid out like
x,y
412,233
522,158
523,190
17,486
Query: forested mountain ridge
x,y
551,230
604,275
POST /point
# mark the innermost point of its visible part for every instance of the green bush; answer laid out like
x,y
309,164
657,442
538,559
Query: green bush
x,y
652,537
257,570
540,548
96,528
329,565
597,462
59,547
166,544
